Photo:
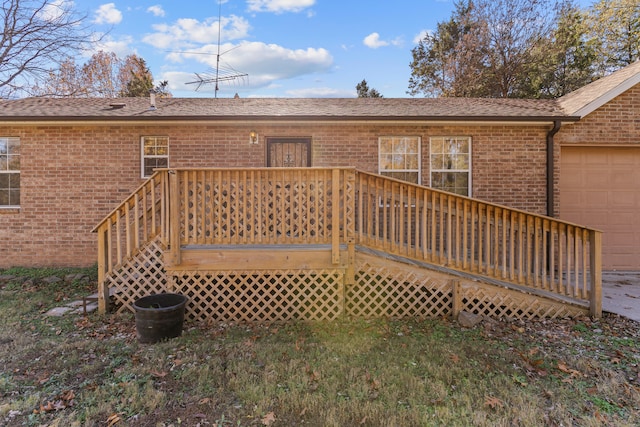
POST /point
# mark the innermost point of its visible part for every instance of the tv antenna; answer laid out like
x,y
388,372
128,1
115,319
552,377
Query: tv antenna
x,y
220,74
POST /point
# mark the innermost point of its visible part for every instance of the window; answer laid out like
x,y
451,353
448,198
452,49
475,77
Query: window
x,y
9,172
155,154
451,164
399,157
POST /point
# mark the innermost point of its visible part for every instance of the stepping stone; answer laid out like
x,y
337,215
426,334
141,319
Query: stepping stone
x,y
91,307
58,311
75,304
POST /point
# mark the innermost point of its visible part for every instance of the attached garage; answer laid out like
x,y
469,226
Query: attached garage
x,y
600,188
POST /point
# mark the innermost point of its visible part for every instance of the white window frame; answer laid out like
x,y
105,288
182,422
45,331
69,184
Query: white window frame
x,y
144,156
5,157
452,168
383,155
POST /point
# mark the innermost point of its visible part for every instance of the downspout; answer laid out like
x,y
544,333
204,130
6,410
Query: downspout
x,y
551,167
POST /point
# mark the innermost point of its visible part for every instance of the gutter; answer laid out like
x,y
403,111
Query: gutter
x,y
551,167
285,118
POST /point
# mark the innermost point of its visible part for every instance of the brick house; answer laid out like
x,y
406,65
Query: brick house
x,y
66,163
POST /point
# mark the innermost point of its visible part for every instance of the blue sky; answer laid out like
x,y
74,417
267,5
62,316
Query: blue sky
x,y
279,48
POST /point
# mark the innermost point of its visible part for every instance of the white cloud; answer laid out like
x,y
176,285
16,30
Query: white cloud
x,y
178,80
268,62
187,31
279,6
421,35
373,41
121,47
108,14
156,9
55,9
264,63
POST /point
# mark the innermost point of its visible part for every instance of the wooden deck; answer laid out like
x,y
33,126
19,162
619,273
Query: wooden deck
x,y
319,243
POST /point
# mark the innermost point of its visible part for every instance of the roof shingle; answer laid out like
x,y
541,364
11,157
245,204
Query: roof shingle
x,y
46,109
570,107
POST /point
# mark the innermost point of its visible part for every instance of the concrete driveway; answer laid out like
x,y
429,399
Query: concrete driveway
x,y
621,293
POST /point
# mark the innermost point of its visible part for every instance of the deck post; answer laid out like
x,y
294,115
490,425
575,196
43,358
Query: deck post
x,y
595,296
103,291
335,216
350,275
173,257
456,298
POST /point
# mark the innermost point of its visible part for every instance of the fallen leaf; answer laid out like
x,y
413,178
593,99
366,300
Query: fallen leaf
x,y
564,368
159,374
493,402
314,375
68,395
113,420
269,419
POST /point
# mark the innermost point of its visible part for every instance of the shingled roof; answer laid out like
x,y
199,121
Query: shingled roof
x,y
593,96
323,109
571,107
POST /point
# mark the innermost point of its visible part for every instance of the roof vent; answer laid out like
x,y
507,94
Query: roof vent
x,y
117,105
152,99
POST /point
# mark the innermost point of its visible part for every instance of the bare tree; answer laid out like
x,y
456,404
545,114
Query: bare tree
x,y
38,35
513,31
486,49
104,75
101,75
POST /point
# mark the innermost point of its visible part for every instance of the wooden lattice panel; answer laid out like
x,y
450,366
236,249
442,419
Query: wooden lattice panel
x,y
261,295
396,293
384,289
142,275
257,206
497,302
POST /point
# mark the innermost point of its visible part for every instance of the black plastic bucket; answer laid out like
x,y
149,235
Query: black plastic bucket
x,y
159,317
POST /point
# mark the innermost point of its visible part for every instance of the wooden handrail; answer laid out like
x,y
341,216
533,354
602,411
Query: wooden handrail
x,y
343,206
260,206
138,219
469,235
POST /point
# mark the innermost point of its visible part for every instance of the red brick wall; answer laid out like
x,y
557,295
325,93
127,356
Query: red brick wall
x,y
72,176
615,123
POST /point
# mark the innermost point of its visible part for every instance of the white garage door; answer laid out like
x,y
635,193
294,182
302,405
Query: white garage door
x,y
600,188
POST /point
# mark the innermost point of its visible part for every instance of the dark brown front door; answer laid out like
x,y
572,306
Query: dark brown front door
x,y
288,152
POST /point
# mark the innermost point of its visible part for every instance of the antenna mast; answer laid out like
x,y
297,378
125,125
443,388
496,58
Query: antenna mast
x,y
227,74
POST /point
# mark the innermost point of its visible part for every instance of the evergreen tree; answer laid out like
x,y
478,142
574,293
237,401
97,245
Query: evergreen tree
x,y
365,92
135,77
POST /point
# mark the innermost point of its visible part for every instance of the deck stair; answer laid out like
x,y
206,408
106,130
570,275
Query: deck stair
x,y
273,244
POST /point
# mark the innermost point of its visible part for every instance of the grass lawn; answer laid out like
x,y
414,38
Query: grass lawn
x,y
91,371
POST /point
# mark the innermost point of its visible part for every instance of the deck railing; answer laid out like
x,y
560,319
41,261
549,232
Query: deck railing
x,y
338,206
481,238
143,216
